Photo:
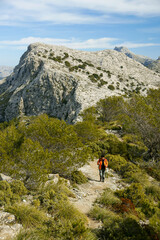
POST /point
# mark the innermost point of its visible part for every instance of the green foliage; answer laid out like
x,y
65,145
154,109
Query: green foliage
x,y
119,216
5,193
103,214
33,161
110,108
65,222
67,64
78,177
139,116
134,192
127,228
87,131
111,87
45,145
18,187
11,193
153,191
108,198
116,162
27,215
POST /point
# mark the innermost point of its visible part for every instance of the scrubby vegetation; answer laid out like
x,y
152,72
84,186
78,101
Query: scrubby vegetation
x,y
126,130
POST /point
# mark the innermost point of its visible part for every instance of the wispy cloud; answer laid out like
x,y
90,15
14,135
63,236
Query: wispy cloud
x,y
100,43
74,11
71,43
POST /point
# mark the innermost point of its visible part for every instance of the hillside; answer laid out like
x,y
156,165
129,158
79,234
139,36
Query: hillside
x,y
62,82
146,61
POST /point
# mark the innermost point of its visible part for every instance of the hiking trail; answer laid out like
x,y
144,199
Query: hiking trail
x,y
87,193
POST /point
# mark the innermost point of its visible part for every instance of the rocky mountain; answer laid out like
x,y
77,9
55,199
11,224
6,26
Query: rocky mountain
x,y
5,71
62,82
155,65
147,62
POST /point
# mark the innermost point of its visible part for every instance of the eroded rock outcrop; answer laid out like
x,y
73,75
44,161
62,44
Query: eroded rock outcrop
x,y
62,82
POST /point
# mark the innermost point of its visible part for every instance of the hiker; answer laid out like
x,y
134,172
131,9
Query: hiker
x,y
103,164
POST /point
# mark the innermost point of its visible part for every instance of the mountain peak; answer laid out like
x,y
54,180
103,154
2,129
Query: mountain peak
x,y
62,82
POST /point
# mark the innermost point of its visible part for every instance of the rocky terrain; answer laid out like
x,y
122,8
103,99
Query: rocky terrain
x,y
147,62
87,193
5,71
63,82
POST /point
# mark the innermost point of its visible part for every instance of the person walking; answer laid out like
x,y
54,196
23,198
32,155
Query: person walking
x,y
103,164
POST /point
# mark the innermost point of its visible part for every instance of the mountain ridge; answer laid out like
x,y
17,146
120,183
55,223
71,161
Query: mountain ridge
x,y
146,61
62,82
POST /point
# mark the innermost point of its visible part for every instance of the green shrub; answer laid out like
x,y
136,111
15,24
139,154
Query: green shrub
x,y
67,64
154,223
5,193
116,146
54,194
153,191
4,200
108,198
18,187
116,162
103,214
66,55
148,208
134,192
27,215
123,229
111,87
78,177
135,151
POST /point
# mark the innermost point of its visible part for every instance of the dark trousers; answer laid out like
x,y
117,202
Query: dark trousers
x,y
102,174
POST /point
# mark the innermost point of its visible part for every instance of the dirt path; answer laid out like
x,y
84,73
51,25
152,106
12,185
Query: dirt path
x,y
87,193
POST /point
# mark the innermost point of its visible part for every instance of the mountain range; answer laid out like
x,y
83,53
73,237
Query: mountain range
x,y
62,82
5,71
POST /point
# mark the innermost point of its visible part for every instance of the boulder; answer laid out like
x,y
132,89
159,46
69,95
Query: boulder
x,y
5,178
8,227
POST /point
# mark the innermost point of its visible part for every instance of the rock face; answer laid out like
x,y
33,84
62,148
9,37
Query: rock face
x,y
5,178
8,227
147,62
5,71
62,82
155,65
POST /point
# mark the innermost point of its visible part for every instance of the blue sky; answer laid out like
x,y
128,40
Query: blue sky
x,y
82,24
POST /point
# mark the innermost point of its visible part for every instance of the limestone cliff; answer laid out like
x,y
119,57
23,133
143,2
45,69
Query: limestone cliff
x,y
62,82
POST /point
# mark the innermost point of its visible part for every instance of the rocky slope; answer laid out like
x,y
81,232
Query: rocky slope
x,y
5,71
155,65
62,82
147,62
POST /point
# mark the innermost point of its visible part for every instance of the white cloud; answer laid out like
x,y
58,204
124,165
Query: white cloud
x,y
100,43
71,43
74,11
138,45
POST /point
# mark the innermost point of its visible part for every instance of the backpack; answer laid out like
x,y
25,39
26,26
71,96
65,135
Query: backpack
x,y
103,166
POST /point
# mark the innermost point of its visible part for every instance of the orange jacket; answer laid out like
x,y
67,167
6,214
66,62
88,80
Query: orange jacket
x,y
100,163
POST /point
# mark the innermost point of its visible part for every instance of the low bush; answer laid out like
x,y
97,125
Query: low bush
x,y
78,177
108,199
5,193
18,187
123,229
116,162
28,216
134,192
111,87
103,214
153,191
